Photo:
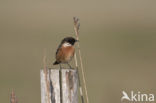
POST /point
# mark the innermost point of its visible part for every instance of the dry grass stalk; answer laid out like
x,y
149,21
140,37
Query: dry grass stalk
x,y
76,28
46,76
13,98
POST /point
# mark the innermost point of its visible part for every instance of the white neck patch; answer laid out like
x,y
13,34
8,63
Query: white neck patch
x,y
66,44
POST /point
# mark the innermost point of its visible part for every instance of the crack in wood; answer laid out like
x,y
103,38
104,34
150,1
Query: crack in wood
x,y
52,89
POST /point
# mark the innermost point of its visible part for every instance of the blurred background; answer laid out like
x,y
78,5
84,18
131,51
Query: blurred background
x,y
117,38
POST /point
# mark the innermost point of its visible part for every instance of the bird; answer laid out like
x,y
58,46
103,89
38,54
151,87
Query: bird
x,y
65,51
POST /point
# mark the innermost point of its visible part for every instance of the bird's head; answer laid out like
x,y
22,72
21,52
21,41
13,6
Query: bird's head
x,y
69,40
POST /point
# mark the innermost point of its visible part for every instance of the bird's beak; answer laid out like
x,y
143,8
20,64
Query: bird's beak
x,y
77,40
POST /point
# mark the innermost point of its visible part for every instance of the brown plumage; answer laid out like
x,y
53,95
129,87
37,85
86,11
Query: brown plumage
x,y
65,54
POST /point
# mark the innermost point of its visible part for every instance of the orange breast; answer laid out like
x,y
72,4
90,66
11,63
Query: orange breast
x,y
65,54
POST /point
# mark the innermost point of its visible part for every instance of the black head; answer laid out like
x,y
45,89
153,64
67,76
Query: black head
x,y
70,40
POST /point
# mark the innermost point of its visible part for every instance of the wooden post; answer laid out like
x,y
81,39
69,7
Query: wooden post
x,y
69,86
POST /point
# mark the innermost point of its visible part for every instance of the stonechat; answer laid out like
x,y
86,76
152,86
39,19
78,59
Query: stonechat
x,y
65,51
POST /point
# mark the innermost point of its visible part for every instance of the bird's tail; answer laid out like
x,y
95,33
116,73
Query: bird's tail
x,y
55,63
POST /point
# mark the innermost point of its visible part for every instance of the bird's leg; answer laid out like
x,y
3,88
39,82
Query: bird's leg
x,y
69,66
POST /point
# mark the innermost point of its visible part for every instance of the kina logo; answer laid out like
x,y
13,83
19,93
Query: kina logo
x,y
137,97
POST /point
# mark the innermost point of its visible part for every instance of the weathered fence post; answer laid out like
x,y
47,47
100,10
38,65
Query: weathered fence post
x,y
69,83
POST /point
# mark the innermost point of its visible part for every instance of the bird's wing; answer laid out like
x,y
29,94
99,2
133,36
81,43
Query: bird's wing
x,y
58,48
